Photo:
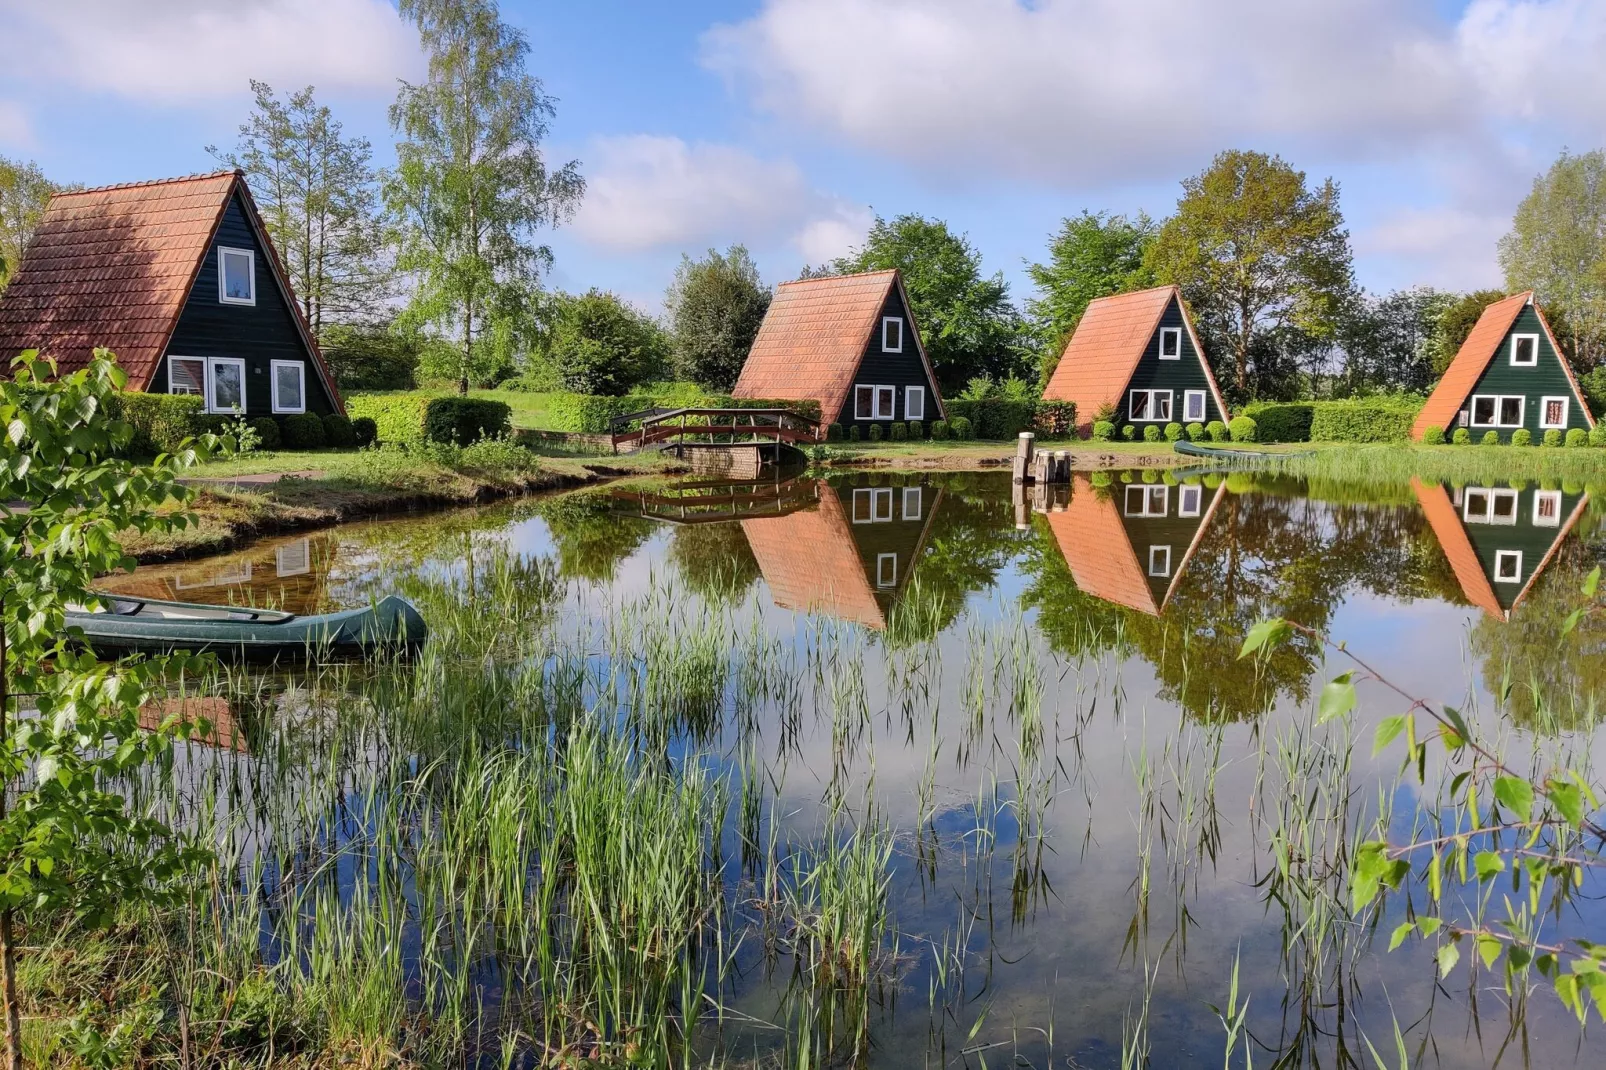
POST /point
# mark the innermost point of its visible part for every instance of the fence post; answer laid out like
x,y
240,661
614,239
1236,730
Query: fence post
x,y
1023,456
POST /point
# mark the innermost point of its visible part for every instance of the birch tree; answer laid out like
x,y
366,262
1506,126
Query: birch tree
x,y
1557,248
24,193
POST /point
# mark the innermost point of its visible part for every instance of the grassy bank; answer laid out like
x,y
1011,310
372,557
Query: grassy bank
x,y
1398,462
972,454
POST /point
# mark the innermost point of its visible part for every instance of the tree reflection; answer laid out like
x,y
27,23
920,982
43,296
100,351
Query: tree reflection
x,y
591,537
714,560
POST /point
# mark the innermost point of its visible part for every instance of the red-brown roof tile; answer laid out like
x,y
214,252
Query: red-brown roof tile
x,y
811,564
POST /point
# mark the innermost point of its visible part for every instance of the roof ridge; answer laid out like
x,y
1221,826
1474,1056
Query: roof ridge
x,y
1169,287
833,278
197,177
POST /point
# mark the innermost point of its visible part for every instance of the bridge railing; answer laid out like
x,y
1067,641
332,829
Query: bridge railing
x,y
780,425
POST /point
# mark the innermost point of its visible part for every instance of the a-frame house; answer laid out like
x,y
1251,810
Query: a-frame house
x,y
1508,374
1139,353
180,280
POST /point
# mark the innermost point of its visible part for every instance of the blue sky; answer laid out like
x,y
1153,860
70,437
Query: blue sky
x,y
787,123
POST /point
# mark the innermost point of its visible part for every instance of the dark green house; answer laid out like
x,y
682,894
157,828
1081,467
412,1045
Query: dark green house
x,y
1508,375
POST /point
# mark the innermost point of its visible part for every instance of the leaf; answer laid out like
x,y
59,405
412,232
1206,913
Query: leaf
x,y
1388,730
1269,633
1371,859
1568,801
1448,956
1338,698
1592,582
1401,931
1487,864
1489,948
1428,926
1516,795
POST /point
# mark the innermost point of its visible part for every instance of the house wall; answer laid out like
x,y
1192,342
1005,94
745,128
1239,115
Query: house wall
x,y
1547,378
1174,375
1173,530
1531,540
879,368
259,333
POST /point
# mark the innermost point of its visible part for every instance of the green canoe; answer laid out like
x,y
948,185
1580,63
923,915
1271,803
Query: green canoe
x,y
151,624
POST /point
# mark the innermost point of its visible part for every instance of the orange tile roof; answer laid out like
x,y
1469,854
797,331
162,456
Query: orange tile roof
x,y
113,267
811,564
224,732
1106,347
814,336
1457,546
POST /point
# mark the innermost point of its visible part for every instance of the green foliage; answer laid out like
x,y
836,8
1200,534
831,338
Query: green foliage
x,y
600,345
1597,434
1593,385
1391,343
1556,249
874,434
1490,438
1461,437
1552,437
1243,429
1370,420
853,433
899,433
24,193
1576,437
916,430
1196,432
1055,419
267,432
1173,432
716,305
995,418
1455,321
372,356
939,430
1216,430
338,432
303,431
160,422
1151,433
960,427
1522,437
833,433
365,430
397,417
1094,255
464,420
1433,436
1103,431
1281,421
1129,432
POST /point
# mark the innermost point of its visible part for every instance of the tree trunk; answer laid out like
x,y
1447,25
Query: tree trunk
x,y
8,948
468,347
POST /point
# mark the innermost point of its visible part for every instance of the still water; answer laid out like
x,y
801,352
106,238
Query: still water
x,y
1088,790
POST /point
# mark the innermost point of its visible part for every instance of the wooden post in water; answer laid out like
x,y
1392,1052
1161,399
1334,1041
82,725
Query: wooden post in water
x,y
1023,456
1062,467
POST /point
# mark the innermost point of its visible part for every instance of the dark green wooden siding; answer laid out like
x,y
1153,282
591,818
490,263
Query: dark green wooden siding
x,y
258,334
1178,376
1531,540
1545,379
901,536
1173,530
902,370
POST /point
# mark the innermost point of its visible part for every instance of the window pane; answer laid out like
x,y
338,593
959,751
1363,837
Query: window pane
x,y
1511,411
1162,405
883,504
892,334
1505,505
1553,414
1134,501
228,387
237,276
911,503
1188,501
863,400
1526,350
861,506
885,399
1157,498
1195,405
287,378
188,376
914,403
1170,343
1483,410
1140,404
1477,504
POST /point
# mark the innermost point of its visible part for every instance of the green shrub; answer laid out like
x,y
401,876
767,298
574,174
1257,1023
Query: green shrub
x,y
338,432
1055,419
1151,433
875,433
1129,432
1433,436
1461,437
1368,420
1491,438
1597,434
1196,432
1553,437
160,421
853,433
396,417
960,428
1282,421
995,418
461,420
365,430
1173,431
917,430
1216,430
303,431
1103,431
899,433
833,433
1243,429
1577,437
939,430
1522,437
267,429
590,413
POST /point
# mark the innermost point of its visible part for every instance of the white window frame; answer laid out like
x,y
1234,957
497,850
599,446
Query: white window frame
x,y
293,559
1148,490
1499,400
1515,363
1500,558
912,494
223,252
1554,519
1188,397
876,496
876,397
1487,514
1566,411
881,577
208,395
173,388
1163,567
273,384
1172,332
1153,394
910,393
1190,499
887,321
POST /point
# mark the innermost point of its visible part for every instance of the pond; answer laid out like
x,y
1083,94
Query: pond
x,y
964,774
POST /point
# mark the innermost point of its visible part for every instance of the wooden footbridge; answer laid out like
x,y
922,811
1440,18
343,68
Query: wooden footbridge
x,y
716,501
731,442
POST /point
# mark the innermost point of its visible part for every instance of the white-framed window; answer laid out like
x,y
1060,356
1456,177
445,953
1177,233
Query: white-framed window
x,y
1193,406
891,334
234,572
886,570
914,403
872,505
1498,410
1461,418
294,559
1489,505
911,503
186,375
1524,350
874,402
225,384
289,386
1150,406
1147,499
1553,412
1189,499
1159,560
1508,566
1547,509
236,276
1170,343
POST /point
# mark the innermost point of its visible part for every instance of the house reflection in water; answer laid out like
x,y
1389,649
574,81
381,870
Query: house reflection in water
x,y
289,574
1130,543
1498,539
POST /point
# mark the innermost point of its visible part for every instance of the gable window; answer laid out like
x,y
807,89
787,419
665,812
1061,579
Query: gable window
x,y
1547,509
294,559
891,334
886,570
1193,406
872,505
1170,343
1498,410
874,402
289,386
1147,499
911,503
1150,406
1489,505
1553,412
914,403
1159,560
1508,566
236,276
1524,350
1189,498
186,375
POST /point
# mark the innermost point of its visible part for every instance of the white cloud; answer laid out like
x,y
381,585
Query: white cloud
x,y
189,51
1539,59
1444,246
15,129
651,192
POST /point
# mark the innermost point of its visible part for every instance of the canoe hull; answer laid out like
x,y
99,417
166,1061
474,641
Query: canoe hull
x,y
391,622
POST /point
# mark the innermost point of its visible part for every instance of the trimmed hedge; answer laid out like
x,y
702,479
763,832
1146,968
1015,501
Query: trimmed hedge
x,y
160,421
1103,431
939,430
1461,437
1433,436
1243,429
1216,430
338,432
1055,419
267,429
959,428
464,421
1277,421
1522,437
396,417
365,430
1577,437
1362,420
995,418
303,431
